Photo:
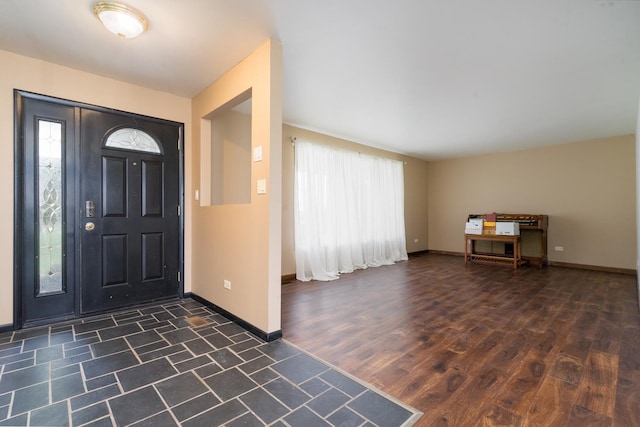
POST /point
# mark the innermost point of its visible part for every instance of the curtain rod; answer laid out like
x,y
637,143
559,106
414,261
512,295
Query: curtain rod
x,y
293,142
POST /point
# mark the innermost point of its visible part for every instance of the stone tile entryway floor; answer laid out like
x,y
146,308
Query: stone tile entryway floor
x,y
149,367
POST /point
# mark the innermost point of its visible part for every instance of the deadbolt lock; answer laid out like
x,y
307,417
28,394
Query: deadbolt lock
x,y
89,226
89,209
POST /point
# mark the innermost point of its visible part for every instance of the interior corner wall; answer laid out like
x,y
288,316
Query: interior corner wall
x,y
241,243
587,189
231,154
28,74
415,191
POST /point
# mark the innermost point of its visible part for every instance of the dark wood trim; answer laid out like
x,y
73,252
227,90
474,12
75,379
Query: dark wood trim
x,y
181,186
95,107
460,254
265,336
6,328
628,271
286,278
18,185
417,253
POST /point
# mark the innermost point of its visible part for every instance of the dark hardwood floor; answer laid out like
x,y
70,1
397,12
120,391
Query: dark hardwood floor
x,y
480,345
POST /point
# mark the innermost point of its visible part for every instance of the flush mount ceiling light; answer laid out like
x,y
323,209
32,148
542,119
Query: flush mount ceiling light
x,y
122,20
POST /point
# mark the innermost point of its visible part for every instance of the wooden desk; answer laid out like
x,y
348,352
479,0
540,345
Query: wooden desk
x,y
533,235
470,255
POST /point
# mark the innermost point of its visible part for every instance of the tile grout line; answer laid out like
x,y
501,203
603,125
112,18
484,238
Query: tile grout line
x,y
69,413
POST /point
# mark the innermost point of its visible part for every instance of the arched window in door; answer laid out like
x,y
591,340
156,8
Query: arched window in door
x,y
133,139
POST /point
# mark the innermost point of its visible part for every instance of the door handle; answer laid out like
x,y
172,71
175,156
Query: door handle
x,y
89,226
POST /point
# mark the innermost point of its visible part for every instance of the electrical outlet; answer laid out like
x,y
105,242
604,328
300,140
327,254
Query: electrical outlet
x,y
227,284
559,248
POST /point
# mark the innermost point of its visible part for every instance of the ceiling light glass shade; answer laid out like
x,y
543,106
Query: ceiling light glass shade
x,y
123,21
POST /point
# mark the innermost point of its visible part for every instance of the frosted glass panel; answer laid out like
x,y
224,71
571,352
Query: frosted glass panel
x,y
134,140
50,207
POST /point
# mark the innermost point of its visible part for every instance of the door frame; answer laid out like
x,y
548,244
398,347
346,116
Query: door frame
x,y
18,200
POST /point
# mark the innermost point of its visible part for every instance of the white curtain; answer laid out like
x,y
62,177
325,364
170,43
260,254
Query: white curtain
x,y
349,211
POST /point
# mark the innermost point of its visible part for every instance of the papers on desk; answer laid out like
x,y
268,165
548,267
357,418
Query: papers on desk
x,y
507,228
474,226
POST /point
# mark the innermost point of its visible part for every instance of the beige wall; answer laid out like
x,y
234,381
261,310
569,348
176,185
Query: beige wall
x,y
587,189
415,197
241,242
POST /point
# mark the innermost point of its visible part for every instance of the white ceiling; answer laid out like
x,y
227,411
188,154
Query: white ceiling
x,y
427,78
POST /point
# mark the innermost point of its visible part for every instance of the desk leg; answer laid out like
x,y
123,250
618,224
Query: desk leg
x,y
466,242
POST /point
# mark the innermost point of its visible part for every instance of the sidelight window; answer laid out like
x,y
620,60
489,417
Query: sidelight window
x,y
50,206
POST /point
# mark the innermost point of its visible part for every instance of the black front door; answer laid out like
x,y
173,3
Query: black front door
x,y
130,197
97,209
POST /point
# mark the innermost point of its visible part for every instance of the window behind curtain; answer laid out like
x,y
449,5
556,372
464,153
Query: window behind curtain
x,y
349,211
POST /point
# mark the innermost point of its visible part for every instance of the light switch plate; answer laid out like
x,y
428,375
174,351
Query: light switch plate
x,y
257,154
262,186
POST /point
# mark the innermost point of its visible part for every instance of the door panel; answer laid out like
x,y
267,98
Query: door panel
x,y
152,180
134,241
114,260
152,255
114,187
